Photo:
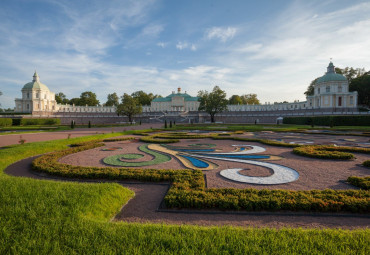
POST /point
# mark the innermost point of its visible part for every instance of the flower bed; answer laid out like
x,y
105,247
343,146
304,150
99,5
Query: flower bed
x,y
188,188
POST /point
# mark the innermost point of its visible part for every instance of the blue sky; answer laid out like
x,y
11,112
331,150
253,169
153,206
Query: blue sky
x,y
271,48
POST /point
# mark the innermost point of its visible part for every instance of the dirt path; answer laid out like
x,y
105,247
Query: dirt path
x,y
10,139
144,207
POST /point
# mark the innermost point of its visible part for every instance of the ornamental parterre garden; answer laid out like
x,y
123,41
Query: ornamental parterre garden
x,y
213,173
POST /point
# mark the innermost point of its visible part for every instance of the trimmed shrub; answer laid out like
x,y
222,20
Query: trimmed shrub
x,y
361,182
49,121
329,151
118,139
366,163
5,122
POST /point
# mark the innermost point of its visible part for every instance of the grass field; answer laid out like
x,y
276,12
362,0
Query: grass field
x,y
49,217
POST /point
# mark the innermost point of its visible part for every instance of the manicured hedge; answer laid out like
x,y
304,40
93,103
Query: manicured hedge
x,y
118,139
329,151
366,163
5,122
329,120
361,182
49,121
188,188
154,139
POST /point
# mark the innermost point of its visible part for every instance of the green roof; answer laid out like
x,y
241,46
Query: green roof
x,y
331,75
35,85
168,98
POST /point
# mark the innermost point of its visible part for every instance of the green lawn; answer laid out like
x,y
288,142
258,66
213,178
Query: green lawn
x,y
49,217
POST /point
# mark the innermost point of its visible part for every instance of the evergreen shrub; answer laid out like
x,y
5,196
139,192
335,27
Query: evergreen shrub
x,y
5,122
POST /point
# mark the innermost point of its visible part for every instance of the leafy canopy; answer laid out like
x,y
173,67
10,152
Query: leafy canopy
x,y
129,107
112,100
212,102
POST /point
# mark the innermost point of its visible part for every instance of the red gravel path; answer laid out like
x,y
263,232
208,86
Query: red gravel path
x,y
10,139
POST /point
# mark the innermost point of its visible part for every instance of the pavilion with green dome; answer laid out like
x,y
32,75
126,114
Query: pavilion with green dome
x,y
36,97
331,91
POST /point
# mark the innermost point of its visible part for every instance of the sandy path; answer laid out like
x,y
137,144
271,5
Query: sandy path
x,y
10,139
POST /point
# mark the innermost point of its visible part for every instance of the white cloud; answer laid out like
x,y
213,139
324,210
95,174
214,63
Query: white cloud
x,y
162,44
152,30
193,47
182,45
221,33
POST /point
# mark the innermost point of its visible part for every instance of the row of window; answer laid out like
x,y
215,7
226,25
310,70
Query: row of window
x,y
327,89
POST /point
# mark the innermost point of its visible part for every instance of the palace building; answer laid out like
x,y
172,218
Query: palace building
x,y
330,95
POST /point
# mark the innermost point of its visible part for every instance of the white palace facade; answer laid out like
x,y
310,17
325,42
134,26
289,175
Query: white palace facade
x,y
330,92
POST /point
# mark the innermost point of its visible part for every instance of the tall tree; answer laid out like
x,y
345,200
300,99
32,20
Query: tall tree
x,y
362,86
350,72
61,98
112,100
212,102
144,98
311,88
129,106
1,93
235,99
250,99
88,98
75,101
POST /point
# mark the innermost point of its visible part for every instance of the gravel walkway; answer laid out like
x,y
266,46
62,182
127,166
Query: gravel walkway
x,y
6,140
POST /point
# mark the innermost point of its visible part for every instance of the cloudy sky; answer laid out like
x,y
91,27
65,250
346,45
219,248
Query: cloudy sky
x,y
271,48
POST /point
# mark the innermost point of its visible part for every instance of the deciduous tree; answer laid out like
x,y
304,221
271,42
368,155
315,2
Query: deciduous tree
x,y
112,100
362,86
212,102
250,99
88,98
235,99
61,98
129,107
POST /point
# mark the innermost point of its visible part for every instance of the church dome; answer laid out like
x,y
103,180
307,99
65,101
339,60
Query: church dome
x,y
331,75
35,83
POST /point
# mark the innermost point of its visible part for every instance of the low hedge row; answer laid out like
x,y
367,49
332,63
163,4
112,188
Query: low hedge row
x,y
188,188
329,120
329,151
154,139
118,139
50,121
361,182
4,122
